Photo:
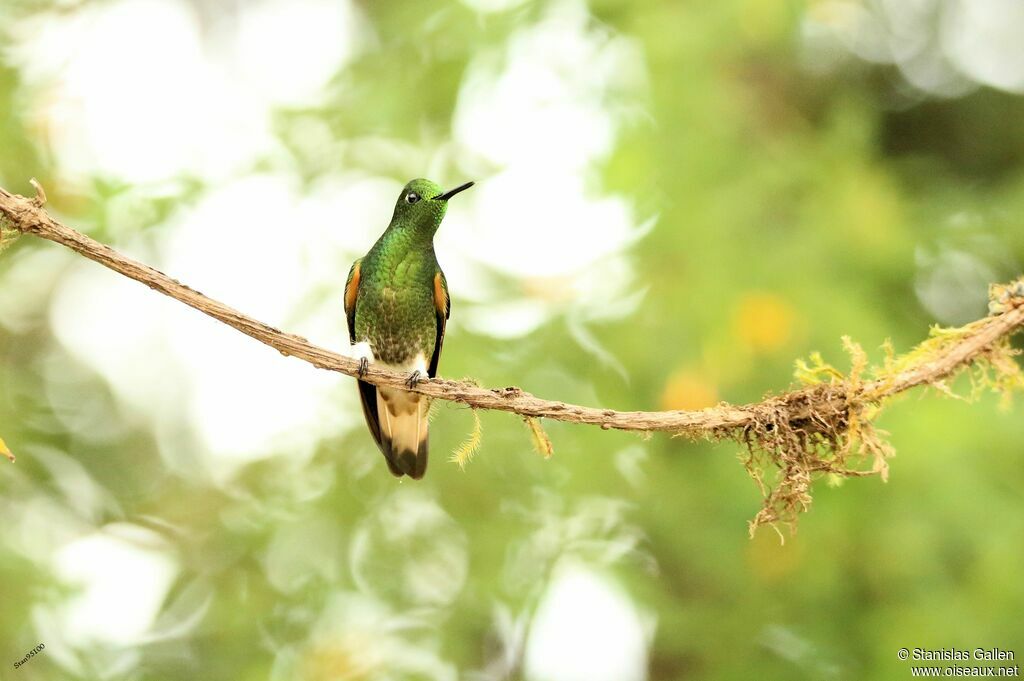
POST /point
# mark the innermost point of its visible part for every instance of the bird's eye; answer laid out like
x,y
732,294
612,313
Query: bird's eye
x,y
412,197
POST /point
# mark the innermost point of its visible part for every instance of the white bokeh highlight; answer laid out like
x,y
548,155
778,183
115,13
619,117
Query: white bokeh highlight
x,y
286,255
133,90
942,48
586,629
983,38
122,568
545,111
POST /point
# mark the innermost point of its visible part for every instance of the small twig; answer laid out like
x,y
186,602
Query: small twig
x,y
541,441
40,199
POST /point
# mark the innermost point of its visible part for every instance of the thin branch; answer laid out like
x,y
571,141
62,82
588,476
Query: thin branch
x,y
824,428
29,216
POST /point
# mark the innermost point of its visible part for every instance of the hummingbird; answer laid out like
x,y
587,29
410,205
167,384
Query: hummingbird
x,y
397,305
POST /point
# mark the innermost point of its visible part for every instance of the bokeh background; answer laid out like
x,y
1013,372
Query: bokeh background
x,y
675,200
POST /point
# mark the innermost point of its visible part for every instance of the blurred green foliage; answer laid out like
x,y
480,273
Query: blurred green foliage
x,y
792,208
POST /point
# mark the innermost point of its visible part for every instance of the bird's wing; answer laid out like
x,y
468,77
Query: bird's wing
x,y
443,306
367,391
351,292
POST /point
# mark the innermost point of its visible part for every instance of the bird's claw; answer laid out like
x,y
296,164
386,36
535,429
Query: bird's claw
x,y
364,365
414,379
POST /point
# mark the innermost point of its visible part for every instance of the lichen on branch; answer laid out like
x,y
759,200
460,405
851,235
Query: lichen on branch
x,y
836,436
824,428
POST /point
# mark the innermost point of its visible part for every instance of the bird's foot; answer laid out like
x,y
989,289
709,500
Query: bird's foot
x,y
364,365
414,379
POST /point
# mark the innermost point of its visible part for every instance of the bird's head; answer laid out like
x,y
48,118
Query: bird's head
x,y
422,205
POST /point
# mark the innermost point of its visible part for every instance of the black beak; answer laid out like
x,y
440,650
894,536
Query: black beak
x,y
452,192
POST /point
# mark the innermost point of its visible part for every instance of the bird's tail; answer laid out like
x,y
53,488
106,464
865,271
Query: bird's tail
x,y
403,430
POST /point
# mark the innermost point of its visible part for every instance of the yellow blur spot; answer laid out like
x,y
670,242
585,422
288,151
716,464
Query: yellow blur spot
x,y
688,389
346,659
4,451
763,322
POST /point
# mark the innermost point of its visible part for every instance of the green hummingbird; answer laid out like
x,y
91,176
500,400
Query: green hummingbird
x,y
397,305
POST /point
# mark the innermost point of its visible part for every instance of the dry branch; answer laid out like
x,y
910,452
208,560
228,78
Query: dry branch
x,y
803,432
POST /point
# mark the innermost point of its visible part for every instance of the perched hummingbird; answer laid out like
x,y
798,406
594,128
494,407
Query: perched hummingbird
x,y
396,301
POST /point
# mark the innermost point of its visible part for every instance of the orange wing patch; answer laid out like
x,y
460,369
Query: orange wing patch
x,y
443,306
440,296
352,288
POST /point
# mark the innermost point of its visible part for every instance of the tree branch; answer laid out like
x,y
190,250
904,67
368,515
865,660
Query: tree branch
x,y
786,425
